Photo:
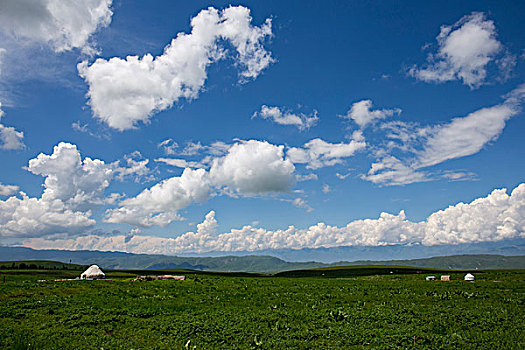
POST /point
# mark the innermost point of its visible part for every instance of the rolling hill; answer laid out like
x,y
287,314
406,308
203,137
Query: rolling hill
x,y
247,263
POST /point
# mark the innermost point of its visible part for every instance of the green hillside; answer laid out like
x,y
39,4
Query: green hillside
x,y
248,263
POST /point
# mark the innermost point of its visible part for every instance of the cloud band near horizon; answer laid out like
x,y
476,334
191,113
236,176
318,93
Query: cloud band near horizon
x,y
492,218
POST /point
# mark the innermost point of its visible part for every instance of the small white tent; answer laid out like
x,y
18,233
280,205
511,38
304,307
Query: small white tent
x,y
93,272
469,277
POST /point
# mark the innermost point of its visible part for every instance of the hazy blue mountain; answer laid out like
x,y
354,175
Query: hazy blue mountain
x,y
460,262
331,255
265,263
119,260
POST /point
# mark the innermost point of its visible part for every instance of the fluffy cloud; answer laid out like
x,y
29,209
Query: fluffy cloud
x,y
159,205
249,168
137,167
464,51
494,217
123,92
7,190
253,167
78,183
10,137
65,25
206,232
282,116
318,153
72,187
33,217
362,114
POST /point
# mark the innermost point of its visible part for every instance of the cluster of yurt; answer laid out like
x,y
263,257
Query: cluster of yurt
x,y
468,277
93,273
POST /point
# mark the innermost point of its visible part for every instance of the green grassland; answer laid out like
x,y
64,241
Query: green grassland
x,y
382,307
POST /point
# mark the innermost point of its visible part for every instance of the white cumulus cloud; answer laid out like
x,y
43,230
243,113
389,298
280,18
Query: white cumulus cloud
x,y
7,190
249,168
464,51
65,25
362,114
318,153
253,167
206,232
137,167
495,217
159,205
283,116
11,138
123,92
35,217
72,187
78,183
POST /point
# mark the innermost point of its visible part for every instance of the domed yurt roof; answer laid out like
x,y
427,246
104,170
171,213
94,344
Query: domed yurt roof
x,y
93,272
469,277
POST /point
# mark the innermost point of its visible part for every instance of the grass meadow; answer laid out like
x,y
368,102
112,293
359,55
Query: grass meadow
x,y
320,310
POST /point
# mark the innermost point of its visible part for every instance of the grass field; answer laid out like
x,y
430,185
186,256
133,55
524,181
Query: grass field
x,y
328,309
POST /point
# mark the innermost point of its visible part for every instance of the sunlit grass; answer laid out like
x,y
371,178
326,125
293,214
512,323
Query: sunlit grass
x,y
211,311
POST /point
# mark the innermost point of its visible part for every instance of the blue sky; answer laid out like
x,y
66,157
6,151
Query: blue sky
x,y
353,122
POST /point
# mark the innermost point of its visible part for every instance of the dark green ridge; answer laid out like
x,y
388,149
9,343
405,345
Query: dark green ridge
x,y
61,270
248,263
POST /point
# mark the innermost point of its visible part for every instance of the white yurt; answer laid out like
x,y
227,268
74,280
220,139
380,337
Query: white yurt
x,y
469,277
93,272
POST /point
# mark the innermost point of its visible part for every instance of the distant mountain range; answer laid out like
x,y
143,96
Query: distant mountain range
x,y
248,263
388,252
